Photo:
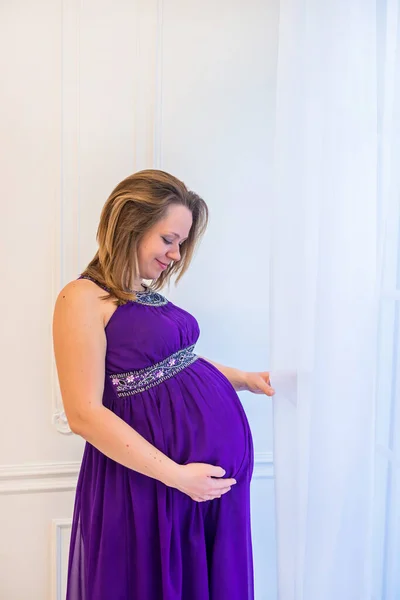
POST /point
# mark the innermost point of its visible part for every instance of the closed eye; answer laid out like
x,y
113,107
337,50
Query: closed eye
x,y
168,242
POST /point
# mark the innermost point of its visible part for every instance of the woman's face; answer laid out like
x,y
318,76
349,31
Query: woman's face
x,y
160,245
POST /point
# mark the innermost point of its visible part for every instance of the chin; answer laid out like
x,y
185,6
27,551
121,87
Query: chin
x,y
151,276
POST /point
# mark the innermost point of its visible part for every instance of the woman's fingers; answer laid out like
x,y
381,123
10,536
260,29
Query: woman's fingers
x,y
213,496
220,484
223,491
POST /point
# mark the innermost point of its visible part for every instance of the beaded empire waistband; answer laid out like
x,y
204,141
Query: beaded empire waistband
x,y
133,382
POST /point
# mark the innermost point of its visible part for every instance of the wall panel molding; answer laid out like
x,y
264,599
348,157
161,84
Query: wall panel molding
x,y
148,84
67,204
60,532
158,113
62,476
263,465
40,477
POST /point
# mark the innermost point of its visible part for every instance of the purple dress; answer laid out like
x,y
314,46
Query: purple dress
x,y
133,537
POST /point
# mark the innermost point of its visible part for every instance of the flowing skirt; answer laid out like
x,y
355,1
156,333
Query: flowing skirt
x,y
135,538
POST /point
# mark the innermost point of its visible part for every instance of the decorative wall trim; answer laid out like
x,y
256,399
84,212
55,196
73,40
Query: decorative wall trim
x,y
62,477
263,465
67,202
59,558
158,113
147,73
40,477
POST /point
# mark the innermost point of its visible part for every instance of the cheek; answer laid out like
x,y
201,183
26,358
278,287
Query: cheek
x,y
149,252
143,255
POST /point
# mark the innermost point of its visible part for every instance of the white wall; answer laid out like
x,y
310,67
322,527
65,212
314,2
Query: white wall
x,y
93,91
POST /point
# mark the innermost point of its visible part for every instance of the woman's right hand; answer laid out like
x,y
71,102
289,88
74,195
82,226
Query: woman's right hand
x,y
202,482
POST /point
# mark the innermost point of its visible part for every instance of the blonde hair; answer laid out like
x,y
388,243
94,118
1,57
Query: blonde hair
x,y
133,207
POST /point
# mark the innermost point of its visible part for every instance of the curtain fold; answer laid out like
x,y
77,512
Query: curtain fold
x,y
386,540
324,297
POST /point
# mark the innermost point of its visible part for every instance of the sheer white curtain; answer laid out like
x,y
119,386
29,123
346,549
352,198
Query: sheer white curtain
x,y
386,541
326,258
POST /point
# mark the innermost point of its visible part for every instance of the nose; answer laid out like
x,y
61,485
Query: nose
x,y
174,254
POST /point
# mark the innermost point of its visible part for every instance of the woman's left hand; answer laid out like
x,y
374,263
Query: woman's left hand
x,y
258,383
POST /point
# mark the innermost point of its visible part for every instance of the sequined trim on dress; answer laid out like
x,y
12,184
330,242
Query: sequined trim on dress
x,y
133,382
148,298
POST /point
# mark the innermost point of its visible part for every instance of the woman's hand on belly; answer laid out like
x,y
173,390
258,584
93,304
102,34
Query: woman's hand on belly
x,y
202,481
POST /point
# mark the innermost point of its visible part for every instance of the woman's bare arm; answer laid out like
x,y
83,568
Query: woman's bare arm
x,y
256,382
235,376
79,348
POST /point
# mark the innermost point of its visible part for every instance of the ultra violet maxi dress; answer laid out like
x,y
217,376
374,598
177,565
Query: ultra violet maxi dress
x,y
133,537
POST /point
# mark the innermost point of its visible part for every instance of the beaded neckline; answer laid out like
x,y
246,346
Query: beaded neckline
x,y
146,297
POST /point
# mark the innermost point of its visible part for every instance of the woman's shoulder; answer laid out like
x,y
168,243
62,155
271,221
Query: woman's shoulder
x,y
82,295
83,288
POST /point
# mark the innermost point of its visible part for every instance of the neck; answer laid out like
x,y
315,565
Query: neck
x,y
137,286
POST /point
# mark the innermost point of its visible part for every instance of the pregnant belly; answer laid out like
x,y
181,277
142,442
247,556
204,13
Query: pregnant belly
x,y
203,420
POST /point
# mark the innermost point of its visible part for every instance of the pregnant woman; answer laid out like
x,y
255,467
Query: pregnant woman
x,y
162,506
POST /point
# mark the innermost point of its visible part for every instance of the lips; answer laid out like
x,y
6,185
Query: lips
x,y
162,265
